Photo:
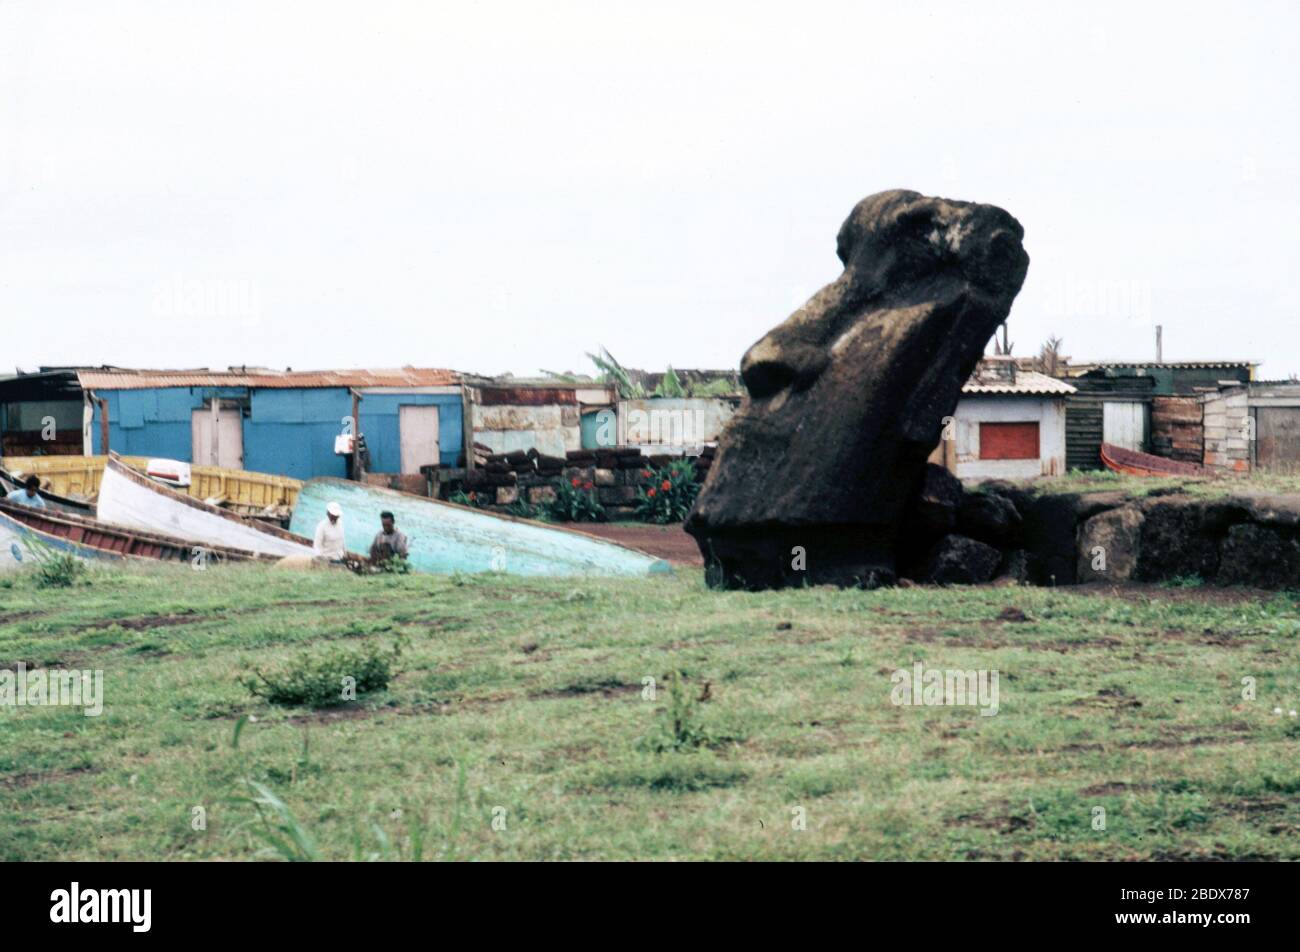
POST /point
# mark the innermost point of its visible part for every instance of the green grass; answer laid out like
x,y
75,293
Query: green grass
x,y
1090,481
516,726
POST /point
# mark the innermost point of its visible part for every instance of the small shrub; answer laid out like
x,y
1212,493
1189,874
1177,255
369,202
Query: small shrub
x,y
575,501
475,499
523,509
396,565
316,680
679,727
54,569
671,494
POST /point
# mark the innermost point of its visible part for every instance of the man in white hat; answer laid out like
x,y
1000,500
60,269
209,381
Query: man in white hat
x,y
329,543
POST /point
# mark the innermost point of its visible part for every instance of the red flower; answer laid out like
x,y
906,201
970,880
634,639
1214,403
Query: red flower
x,y
645,474
472,497
587,485
667,485
576,482
651,494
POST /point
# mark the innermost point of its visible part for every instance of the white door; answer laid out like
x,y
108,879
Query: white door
x,y
217,437
418,429
1124,424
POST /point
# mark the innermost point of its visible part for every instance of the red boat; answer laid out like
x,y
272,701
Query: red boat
x,y
1133,463
90,538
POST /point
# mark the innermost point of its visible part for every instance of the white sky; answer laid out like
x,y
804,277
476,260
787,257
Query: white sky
x,y
504,186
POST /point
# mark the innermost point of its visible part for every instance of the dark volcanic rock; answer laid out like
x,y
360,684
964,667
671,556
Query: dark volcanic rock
x,y
847,396
934,512
1181,536
1259,556
990,518
957,560
927,519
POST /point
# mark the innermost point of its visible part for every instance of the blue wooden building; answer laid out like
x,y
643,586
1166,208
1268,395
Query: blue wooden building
x,y
282,422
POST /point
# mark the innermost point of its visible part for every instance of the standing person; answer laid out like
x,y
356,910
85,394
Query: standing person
x,y
389,542
29,495
329,543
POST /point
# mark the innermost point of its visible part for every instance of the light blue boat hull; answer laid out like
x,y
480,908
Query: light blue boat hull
x,y
446,538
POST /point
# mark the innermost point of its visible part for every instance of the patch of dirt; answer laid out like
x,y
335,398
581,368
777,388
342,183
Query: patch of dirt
x,y
1210,856
667,542
30,779
1013,614
1113,788
1009,823
608,689
15,616
187,616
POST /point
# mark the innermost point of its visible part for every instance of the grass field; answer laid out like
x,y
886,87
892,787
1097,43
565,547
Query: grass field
x,y
1102,480
518,726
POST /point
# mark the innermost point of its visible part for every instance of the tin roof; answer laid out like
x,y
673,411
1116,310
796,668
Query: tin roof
x,y
1172,364
120,379
1027,382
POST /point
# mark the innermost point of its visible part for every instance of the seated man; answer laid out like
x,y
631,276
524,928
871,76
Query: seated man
x,y
29,495
389,543
329,543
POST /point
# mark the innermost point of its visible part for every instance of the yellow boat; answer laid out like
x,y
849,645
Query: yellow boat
x,y
241,491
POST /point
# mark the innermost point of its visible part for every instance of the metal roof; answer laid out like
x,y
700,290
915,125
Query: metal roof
x,y
267,379
1027,383
1173,364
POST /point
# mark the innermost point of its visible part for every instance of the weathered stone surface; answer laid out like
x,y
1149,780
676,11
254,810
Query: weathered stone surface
x,y
847,396
958,560
1117,533
541,495
604,477
989,518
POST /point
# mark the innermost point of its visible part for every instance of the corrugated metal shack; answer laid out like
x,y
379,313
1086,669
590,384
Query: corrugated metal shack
x,y
282,422
548,415
41,413
1149,407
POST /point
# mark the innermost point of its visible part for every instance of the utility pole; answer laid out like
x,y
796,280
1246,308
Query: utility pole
x,y
1160,350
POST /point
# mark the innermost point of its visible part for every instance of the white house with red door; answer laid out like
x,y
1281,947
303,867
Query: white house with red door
x,y
1009,424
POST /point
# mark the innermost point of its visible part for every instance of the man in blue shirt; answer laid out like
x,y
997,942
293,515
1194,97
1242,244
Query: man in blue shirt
x,y
29,495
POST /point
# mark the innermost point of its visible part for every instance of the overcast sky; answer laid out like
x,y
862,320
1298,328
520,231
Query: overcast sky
x,y
503,186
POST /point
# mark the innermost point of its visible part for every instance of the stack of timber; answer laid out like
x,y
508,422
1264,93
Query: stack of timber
x,y
1177,429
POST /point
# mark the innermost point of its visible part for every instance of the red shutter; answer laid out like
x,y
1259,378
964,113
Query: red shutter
x,y
1009,441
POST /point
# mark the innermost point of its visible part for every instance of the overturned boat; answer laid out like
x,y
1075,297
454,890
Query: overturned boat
x,y
129,498
445,537
1133,463
26,532
77,478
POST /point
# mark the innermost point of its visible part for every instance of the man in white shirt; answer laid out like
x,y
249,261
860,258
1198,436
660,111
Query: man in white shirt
x,y
329,543
29,495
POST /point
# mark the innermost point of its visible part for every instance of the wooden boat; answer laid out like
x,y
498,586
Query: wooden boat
x,y
8,483
24,531
446,538
1133,463
242,491
131,499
